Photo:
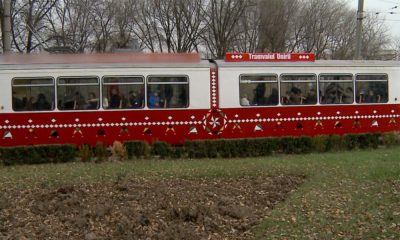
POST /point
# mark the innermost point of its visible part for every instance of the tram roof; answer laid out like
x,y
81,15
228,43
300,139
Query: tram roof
x,y
159,60
317,63
101,60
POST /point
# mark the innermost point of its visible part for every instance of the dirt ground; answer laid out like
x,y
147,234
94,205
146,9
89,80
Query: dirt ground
x,y
225,208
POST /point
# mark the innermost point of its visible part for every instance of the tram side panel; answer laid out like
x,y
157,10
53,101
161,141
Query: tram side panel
x,y
84,126
246,118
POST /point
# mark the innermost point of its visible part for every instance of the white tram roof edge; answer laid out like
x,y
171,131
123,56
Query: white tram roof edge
x,y
157,60
317,63
110,60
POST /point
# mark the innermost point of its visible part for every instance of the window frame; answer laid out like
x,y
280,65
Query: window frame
x,y
315,81
78,84
261,81
371,74
123,76
38,85
338,81
166,83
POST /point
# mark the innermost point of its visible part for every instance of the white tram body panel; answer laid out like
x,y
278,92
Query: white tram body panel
x,y
229,75
198,75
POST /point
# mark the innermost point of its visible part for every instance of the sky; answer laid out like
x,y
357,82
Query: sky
x,y
383,7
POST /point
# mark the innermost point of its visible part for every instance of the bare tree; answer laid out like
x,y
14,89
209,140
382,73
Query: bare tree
x,y
70,24
249,29
396,48
122,24
222,19
211,26
275,17
342,44
168,25
375,37
28,23
103,14
145,25
314,27
188,18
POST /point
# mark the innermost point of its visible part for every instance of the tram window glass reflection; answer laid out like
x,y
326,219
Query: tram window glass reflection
x,y
259,90
336,88
78,93
123,92
298,89
371,88
167,92
33,94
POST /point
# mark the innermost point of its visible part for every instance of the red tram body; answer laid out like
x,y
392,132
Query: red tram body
x,y
84,99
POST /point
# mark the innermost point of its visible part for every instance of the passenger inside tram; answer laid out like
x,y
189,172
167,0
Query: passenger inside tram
x,y
154,100
135,100
311,97
115,100
295,97
347,97
92,102
273,98
17,103
42,103
259,95
244,101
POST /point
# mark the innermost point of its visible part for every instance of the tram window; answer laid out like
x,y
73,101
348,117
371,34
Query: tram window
x,y
33,94
167,92
298,89
336,88
372,88
78,93
259,90
123,92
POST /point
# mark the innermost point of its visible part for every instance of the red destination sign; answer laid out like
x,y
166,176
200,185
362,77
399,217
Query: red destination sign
x,y
269,57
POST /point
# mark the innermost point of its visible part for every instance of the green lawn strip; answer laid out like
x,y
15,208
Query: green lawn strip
x,y
350,194
354,195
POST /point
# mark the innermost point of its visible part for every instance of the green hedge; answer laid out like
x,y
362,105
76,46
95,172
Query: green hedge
x,y
137,149
255,147
222,148
37,154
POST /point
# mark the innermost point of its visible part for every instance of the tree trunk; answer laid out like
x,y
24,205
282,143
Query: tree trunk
x,y
6,27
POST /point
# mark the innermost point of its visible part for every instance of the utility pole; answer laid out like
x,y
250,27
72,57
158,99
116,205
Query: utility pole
x,y
6,24
360,17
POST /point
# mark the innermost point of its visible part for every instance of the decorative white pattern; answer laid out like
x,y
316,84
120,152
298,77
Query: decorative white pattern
x,y
214,122
237,56
312,118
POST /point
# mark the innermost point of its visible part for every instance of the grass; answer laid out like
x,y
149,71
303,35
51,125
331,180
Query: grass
x,y
349,195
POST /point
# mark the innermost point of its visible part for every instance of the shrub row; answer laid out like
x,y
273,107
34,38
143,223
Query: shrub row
x,y
37,154
224,148
196,149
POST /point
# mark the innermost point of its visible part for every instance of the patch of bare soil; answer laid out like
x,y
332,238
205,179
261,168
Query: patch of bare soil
x,y
144,209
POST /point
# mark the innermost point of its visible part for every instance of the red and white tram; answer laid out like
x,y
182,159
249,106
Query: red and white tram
x,y
57,99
